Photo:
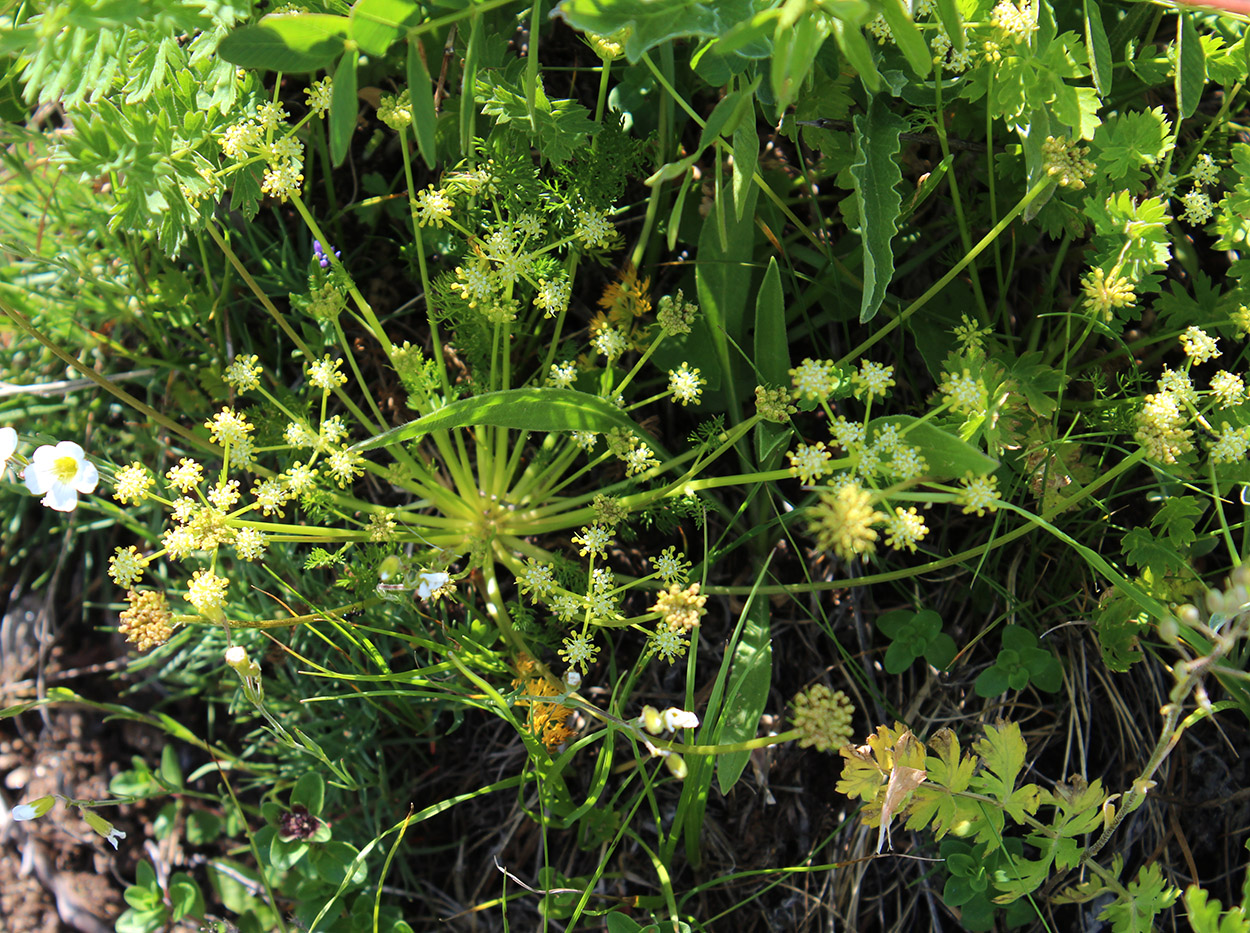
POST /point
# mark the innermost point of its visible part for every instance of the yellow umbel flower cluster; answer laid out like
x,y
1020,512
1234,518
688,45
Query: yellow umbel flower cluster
x,y
822,718
842,522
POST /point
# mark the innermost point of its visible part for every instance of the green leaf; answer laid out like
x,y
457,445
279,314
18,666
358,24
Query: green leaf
x,y
376,24
746,149
948,456
772,348
1148,896
772,360
952,22
421,97
795,45
908,37
309,792
1127,142
620,923
543,410
723,278
1144,550
1176,520
992,682
1204,915
857,51
291,42
562,126
1098,47
171,771
343,108
876,173
184,897
750,678
1002,752
899,656
653,22
1191,67
935,803
941,652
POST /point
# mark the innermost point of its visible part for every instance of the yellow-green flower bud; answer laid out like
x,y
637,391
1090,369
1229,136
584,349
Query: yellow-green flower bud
x,y
651,720
677,766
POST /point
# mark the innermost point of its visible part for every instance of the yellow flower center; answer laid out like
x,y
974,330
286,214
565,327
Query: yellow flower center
x,y
65,469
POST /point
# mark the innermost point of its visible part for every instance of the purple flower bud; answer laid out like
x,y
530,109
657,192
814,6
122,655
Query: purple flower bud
x,y
322,259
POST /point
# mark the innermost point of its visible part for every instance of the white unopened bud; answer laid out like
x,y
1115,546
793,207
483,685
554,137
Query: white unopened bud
x,y
572,679
675,719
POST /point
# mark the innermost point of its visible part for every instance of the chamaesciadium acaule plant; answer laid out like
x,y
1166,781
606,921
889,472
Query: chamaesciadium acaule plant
x,y
526,448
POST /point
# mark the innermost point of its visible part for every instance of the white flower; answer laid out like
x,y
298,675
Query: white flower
x,y
675,719
59,474
8,444
33,810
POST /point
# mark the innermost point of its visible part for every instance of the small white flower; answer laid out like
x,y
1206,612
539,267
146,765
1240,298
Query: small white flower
x,y
430,582
35,809
60,474
675,719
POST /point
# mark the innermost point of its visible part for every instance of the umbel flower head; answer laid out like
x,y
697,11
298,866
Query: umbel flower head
x,y
60,474
822,717
842,522
147,622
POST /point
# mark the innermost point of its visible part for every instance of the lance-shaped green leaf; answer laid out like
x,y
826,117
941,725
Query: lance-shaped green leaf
x,y
1191,67
908,37
946,455
343,108
421,94
1099,48
290,42
749,681
876,173
524,409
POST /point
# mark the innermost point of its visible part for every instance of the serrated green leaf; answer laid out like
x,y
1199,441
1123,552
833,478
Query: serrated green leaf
x,y
1099,49
1148,895
563,126
876,173
1191,66
523,409
421,97
343,108
290,42
750,677
1176,520
1002,752
1142,549
935,803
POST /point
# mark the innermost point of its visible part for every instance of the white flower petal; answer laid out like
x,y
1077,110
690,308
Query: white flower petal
x,y
88,477
62,497
8,443
23,811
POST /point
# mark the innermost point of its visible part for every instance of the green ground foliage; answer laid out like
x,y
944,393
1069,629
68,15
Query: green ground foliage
x,y
639,465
